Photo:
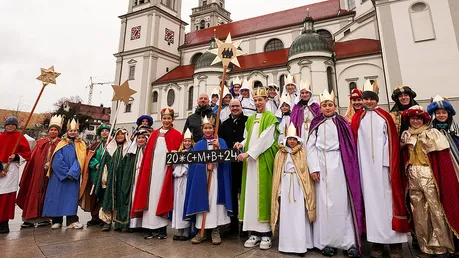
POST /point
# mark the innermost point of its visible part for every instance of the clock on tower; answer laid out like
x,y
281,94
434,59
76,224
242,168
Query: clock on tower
x,y
135,32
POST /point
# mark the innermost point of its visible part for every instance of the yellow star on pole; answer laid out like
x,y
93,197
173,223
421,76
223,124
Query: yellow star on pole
x,y
48,76
227,52
123,92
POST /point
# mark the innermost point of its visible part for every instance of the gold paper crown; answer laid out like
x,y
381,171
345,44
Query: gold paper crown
x,y
289,79
260,92
371,87
73,124
237,80
327,96
210,120
56,120
291,131
187,134
167,111
305,85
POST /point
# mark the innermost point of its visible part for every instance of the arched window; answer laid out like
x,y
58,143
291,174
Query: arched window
x,y
330,79
195,58
155,97
274,44
257,84
421,22
326,34
202,25
281,83
190,98
352,86
170,97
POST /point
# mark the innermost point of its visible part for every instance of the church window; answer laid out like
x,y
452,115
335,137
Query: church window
x,y
257,84
141,1
330,79
204,3
131,72
208,25
195,58
351,4
170,97
274,44
128,108
421,22
155,97
326,34
202,25
281,83
155,102
190,98
347,32
352,86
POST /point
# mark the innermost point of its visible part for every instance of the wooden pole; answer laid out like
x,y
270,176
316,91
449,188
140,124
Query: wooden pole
x,y
217,126
5,169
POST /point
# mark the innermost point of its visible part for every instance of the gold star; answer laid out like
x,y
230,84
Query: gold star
x,y
123,92
48,76
227,52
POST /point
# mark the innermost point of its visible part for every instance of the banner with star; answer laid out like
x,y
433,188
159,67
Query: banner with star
x,y
209,156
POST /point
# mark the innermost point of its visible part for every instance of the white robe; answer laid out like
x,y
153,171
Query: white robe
x,y
308,116
334,226
180,178
257,145
10,182
295,231
272,105
373,150
217,215
248,106
283,125
149,219
224,113
136,222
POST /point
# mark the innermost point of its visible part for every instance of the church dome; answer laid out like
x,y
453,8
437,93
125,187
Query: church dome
x,y
309,40
206,59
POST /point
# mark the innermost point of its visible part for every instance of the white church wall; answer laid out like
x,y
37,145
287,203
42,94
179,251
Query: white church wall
x,y
162,43
134,21
364,29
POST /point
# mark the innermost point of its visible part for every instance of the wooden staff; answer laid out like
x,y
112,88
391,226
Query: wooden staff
x,y
217,126
5,168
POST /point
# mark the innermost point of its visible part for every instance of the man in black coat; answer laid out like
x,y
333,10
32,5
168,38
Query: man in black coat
x,y
232,131
193,122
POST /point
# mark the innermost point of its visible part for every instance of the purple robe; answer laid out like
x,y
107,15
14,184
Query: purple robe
x,y
350,160
297,116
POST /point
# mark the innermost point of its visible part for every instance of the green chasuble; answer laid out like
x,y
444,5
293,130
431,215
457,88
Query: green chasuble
x,y
265,167
95,160
126,190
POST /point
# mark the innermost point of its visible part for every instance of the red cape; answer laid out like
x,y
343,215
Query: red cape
x,y
173,140
34,180
397,178
7,142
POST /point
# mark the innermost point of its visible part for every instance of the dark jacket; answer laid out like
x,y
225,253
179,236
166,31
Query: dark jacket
x,y
232,131
193,122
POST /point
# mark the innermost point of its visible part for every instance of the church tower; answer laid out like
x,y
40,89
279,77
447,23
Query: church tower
x,y
150,36
209,13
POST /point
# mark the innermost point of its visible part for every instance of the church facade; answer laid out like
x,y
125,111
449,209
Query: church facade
x,y
335,44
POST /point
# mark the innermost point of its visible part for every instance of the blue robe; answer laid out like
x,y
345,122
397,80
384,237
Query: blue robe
x,y
196,197
62,193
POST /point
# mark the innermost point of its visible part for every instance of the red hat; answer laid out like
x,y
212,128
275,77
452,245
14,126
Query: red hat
x,y
355,94
416,111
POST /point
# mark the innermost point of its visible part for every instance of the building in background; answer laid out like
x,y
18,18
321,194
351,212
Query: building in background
x,y
97,115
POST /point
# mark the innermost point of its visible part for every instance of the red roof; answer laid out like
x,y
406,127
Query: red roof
x,y
357,47
262,60
95,112
347,49
177,74
295,16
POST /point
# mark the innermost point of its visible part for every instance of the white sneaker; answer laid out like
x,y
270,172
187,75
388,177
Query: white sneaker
x,y
56,226
265,243
76,225
252,241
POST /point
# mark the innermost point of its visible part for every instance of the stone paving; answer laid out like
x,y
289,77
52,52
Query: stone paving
x,y
92,242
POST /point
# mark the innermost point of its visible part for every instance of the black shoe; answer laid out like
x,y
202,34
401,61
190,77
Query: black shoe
x,y
353,252
44,223
4,227
152,234
162,233
27,225
328,251
93,222
106,227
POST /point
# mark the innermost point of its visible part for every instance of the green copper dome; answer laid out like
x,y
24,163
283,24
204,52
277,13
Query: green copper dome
x,y
206,59
308,42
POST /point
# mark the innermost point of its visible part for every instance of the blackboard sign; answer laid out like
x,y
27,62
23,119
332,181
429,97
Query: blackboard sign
x,y
209,156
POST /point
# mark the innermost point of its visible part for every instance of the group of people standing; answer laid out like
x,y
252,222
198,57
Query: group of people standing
x,y
318,179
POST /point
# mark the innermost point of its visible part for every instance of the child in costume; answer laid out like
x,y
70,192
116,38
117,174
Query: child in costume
x,y
180,180
216,202
293,202
283,115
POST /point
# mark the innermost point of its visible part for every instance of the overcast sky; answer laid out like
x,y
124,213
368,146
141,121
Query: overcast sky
x,y
79,38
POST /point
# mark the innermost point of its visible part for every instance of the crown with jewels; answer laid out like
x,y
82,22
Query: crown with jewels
x,y
237,81
290,79
56,120
305,85
210,120
167,111
327,96
73,124
187,134
371,87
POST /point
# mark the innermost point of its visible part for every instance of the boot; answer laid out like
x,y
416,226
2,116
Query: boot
x,y
376,250
186,234
216,238
178,234
395,251
4,227
198,239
